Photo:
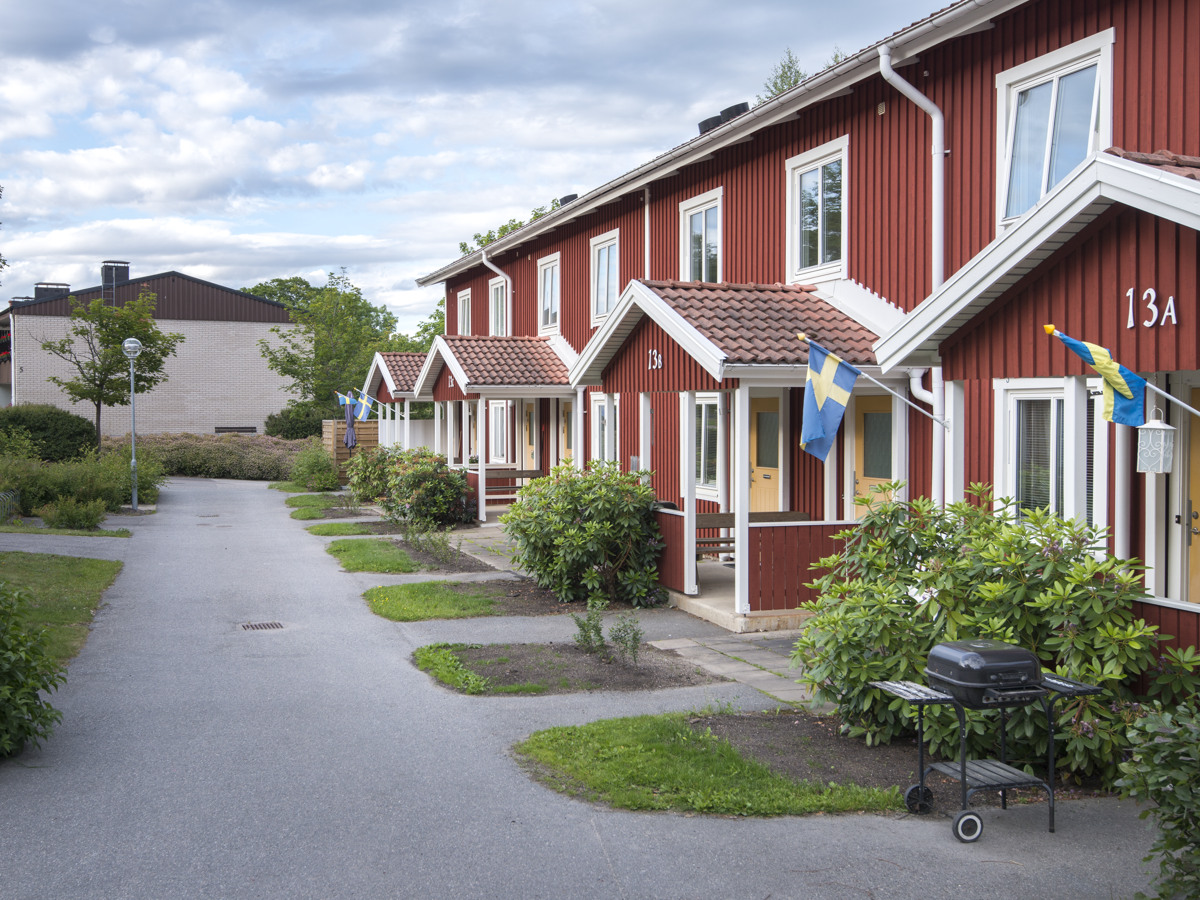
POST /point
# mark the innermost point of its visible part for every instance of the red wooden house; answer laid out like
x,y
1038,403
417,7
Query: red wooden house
x,y
921,208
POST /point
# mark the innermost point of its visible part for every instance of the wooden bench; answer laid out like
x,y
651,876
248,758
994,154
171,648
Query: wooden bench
x,y
707,545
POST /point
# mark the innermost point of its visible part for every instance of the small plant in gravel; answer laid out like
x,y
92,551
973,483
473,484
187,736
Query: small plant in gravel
x,y
589,636
27,671
626,636
440,661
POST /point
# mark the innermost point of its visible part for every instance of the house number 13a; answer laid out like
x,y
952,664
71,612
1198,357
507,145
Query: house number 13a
x,y
1154,316
655,360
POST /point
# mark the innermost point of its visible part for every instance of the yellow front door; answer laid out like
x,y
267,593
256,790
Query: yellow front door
x,y
872,446
529,455
565,430
1191,507
764,454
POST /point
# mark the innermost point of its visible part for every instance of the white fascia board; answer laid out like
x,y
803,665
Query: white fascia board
x,y
563,350
378,363
522,391
439,355
638,300
861,304
1095,186
962,18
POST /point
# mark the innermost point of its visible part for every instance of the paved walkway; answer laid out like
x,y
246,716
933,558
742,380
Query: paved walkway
x,y
197,758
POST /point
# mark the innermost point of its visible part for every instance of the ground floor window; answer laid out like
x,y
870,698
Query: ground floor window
x,y
706,441
600,427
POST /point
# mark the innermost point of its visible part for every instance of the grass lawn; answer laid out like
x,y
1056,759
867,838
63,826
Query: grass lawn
x,y
62,593
660,762
311,506
377,555
337,529
289,487
432,600
69,532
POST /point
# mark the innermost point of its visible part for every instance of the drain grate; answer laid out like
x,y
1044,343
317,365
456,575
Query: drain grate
x,y
261,626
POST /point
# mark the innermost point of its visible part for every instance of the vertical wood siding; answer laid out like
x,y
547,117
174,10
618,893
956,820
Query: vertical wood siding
x,y
672,566
780,558
1182,625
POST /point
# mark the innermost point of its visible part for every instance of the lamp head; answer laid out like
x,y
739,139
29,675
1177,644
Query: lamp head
x,y
132,347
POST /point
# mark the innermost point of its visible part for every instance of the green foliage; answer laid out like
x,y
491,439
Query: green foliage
x,y
660,762
102,477
786,74
92,352
421,341
26,671
432,600
911,575
377,555
1164,767
315,468
440,661
19,443
482,239
67,512
588,534
298,420
251,457
626,636
334,333
422,488
367,472
589,634
58,434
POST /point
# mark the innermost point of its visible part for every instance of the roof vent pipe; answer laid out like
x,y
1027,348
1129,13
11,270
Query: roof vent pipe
x,y
938,152
570,198
732,112
508,289
709,124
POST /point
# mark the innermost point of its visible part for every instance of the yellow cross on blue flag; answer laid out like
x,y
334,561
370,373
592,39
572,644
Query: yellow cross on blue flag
x,y
826,393
364,407
1124,392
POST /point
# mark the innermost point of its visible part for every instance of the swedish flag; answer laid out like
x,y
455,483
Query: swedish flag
x,y
826,393
1124,392
364,407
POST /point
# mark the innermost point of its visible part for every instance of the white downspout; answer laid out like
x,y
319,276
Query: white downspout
x,y
646,232
508,290
937,263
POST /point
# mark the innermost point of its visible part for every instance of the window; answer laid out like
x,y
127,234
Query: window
x,y
600,423
498,306
464,312
498,420
706,442
1052,113
700,246
548,293
1033,462
606,282
816,227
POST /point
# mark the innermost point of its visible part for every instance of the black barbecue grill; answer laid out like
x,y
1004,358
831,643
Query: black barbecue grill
x,y
982,674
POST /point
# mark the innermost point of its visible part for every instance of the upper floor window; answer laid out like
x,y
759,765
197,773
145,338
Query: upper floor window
x,y
498,306
605,280
1053,112
700,247
816,227
548,293
464,312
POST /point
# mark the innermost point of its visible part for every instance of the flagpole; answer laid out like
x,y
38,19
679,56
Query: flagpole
x,y
879,383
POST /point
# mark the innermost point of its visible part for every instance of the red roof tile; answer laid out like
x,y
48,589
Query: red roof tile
x,y
404,369
1165,160
507,361
758,323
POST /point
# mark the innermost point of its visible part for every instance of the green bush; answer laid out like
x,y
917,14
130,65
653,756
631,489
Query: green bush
x,y
67,512
250,457
106,478
588,534
60,434
368,471
1164,767
423,489
26,671
18,442
298,421
911,575
314,468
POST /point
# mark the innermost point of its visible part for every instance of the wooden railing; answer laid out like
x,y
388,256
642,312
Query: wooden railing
x,y
780,557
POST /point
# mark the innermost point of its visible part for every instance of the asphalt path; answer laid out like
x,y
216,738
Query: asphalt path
x,y
199,759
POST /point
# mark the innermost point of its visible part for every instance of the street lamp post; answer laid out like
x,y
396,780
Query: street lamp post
x,y
132,347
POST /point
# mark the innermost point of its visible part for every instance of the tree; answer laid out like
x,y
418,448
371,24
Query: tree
x,y
482,239
334,334
92,349
786,74
422,340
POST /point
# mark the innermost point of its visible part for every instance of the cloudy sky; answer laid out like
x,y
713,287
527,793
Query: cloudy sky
x,y
243,140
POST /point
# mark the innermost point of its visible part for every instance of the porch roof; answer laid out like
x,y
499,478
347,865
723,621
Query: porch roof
x,y
399,372
507,366
1163,184
729,328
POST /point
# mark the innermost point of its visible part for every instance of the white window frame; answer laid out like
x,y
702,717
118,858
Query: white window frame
x,y
1006,394
597,408
553,261
498,311
498,431
1098,50
464,311
712,199
708,491
607,245
837,149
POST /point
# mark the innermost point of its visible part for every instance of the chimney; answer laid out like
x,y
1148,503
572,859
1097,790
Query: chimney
x,y
49,289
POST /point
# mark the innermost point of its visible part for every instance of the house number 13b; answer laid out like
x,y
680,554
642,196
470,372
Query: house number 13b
x,y
655,360
1154,316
